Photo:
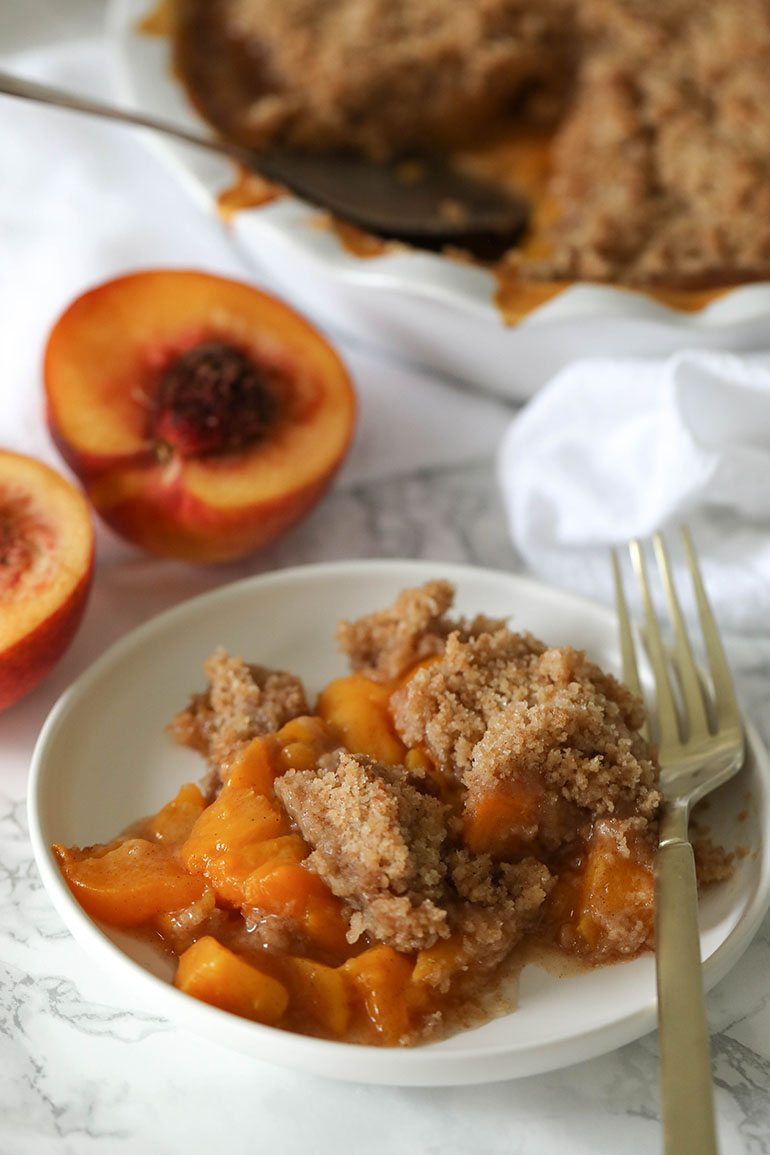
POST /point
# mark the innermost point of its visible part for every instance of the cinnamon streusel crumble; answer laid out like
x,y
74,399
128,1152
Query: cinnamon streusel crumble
x,y
654,115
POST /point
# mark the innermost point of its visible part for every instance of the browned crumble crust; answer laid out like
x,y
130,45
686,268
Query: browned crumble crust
x,y
448,705
498,903
377,844
503,707
382,846
673,102
388,643
576,729
242,702
660,166
352,72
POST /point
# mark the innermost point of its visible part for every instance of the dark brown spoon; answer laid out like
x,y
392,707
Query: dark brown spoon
x,y
441,205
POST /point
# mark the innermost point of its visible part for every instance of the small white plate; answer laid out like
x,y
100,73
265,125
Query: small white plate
x,y
439,313
103,759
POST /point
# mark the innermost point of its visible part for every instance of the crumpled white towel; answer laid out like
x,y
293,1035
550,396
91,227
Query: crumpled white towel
x,y
613,449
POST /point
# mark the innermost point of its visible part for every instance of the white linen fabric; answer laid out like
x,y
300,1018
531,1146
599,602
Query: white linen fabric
x,y
614,449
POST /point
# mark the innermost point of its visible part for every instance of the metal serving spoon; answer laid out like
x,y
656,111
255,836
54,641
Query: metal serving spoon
x,y
435,205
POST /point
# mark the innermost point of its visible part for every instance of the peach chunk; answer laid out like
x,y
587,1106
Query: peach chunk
x,y
360,710
46,567
318,993
254,767
296,746
437,965
286,848
302,741
224,843
291,890
212,973
174,822
614,907
130,884
496,822
203,416
382,978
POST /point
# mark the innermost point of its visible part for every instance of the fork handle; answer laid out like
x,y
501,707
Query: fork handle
x,y
685,1062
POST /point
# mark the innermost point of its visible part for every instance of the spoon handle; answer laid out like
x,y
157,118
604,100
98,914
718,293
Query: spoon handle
x,y
364,192
45,94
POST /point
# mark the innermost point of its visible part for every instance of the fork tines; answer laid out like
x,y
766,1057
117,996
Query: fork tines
x,y
688,679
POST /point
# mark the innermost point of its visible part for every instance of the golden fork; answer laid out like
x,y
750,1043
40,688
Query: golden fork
x,y
701,745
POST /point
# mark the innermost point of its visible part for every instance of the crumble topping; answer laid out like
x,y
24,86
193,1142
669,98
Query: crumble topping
x,y
576,728
655,113
352,72
242,702
448,705
389,642
378,844
381,845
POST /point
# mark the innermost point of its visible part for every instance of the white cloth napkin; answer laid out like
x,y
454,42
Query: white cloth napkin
x,y
82,201
614,449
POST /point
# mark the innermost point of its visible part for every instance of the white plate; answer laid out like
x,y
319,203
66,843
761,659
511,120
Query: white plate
x,y
433,311
103,759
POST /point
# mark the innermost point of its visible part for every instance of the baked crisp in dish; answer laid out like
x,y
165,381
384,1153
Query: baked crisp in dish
x,y
372,871
651,117
352,73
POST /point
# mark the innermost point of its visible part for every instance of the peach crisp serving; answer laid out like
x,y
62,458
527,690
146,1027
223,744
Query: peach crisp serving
x,y
371,870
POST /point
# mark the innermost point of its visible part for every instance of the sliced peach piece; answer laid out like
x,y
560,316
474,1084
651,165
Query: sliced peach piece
x,y
289,889
46,567
603,902
255,767
296,746
318,993
502,822
129,885
173,823
302,741
437,965
264,857
615,907
360,710
224,843
210,972
382,978
203,416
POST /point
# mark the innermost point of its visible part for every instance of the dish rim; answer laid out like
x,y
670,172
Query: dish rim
x,y
422,1065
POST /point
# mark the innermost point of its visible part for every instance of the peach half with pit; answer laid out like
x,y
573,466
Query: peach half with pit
x,y
203,416
46,566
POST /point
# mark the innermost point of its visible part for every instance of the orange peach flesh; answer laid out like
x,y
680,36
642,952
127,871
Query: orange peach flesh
x,y
46,563
105,353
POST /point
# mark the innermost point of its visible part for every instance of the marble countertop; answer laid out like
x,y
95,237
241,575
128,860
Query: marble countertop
x,y
84,1072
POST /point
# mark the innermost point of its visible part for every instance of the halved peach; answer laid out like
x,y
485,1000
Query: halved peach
x,y
46,566
203,416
